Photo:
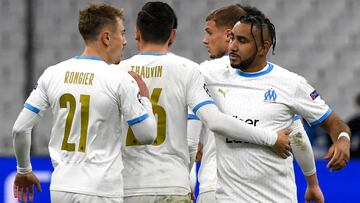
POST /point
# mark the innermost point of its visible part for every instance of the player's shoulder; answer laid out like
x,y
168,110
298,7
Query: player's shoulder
x,y
215,64
283,73
116,70
182,60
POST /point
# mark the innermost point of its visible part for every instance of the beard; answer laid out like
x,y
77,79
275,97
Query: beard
x,y
244,64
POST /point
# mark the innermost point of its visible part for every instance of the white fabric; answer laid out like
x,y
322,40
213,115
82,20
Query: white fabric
x,y
301,148
206,197
87,88
61,197
142,129
207,176
268,99
158,199
182,86
193,135
22,139
163,168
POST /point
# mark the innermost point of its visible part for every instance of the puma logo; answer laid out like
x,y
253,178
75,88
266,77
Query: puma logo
x,y
222,91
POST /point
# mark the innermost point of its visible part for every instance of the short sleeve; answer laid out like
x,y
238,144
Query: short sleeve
x,y
308,103
130,101
38,101
197,92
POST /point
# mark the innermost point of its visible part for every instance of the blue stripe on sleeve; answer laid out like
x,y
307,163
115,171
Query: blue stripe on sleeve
x,y
296,117
192,117
138,119
197,107
322,118
31,108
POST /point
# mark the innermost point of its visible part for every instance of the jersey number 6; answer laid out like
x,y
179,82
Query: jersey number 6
x,y
160,113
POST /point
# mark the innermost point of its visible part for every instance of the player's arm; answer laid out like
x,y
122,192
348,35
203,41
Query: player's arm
x,y
24,180
204,107
137,108
194,126
34,106
302,150
340,134
308,103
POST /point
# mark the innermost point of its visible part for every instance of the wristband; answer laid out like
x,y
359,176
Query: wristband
x,y
24,170
344,134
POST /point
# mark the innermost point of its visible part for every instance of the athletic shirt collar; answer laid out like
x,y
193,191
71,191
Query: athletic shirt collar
x,y
267,69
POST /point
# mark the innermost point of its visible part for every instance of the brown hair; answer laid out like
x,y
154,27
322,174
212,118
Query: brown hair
x,y
93,18
226,16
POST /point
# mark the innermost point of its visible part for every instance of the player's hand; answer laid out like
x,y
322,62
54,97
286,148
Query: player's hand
x,y
24,185
282,145
313,192
339,153
144,91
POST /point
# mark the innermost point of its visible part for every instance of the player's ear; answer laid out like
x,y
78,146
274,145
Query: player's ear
x,y
264,48
137,34
105,38
227,34
172,36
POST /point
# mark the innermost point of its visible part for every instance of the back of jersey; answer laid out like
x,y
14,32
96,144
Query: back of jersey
x,y
85,95
174,84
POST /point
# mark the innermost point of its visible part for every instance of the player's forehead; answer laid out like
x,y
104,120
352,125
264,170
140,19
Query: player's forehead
x,y
120,24
212,25
241,29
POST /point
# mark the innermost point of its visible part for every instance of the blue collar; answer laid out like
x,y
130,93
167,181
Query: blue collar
x,y
152,53
96,58
256,74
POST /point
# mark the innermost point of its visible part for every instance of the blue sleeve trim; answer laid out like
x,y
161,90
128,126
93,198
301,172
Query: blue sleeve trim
x,y
138,119
197,107
192,117
322,118
31,108
296,117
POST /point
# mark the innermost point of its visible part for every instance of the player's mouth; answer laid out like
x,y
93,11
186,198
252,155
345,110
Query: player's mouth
x,y
233,56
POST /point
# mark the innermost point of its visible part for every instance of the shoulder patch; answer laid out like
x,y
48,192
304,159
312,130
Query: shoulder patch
x,y
314,95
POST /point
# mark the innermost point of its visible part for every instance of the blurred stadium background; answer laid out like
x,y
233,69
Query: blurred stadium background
x,y
318,39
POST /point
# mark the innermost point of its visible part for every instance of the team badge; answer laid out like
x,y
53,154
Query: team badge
x,y
270,95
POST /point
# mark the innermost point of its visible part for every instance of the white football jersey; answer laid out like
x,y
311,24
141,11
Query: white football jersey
x,y
175,84
268,99
89,99
207,176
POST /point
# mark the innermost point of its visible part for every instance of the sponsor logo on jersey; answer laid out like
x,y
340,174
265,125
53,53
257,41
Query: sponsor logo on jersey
x,y
270,95
314,94
223,92
248,121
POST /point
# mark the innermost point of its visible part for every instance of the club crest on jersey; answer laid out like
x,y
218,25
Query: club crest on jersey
x,y
270,95
314,94
223,92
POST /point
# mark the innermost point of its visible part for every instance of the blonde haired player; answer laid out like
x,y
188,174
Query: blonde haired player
x,y
88,99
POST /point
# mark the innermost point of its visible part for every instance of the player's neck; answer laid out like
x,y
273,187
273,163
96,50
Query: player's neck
x,y
91,51
158,48
255,67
